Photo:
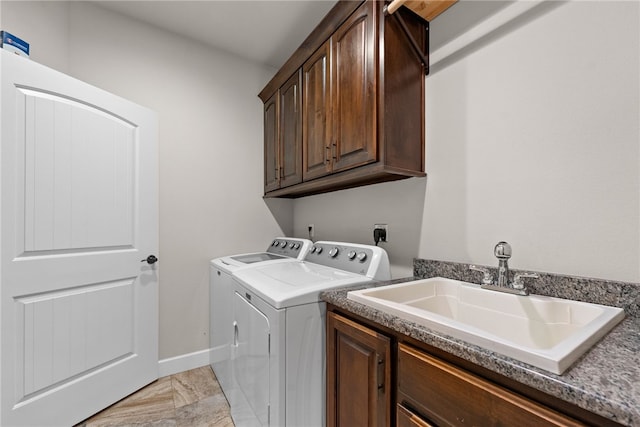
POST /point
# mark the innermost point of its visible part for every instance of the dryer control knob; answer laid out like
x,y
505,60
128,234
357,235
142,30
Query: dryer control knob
x,y
283,244
362,257
334,252
319,250
275,243
351,254
296,246
291,245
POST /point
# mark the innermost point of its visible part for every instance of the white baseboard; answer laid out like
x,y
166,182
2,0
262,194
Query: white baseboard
x,y
184,362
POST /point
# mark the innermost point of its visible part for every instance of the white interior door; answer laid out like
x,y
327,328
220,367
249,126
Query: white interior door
x,y
78,308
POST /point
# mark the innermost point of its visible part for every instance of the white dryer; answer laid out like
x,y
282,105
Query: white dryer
x,y
282,249
278,350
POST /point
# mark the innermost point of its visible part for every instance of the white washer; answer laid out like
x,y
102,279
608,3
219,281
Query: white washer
x,y
282,249
278,351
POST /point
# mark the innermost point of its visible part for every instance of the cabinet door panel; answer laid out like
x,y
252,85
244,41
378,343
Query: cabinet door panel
x,y
290,110
354,91
316,114
358,374
271,165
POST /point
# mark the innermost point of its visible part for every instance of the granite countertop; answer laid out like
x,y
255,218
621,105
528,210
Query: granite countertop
x,y
605,380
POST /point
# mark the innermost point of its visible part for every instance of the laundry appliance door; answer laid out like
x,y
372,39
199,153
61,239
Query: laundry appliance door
x,y
251,357
221,324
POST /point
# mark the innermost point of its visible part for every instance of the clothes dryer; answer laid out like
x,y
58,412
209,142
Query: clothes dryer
x,y
280,250
278,349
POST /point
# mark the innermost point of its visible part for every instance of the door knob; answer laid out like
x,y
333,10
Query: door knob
x,y
151,259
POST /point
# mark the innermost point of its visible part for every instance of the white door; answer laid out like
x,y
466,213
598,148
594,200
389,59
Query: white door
x,y
78,308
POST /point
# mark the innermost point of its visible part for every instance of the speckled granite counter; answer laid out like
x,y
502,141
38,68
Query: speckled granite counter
x,y
605,380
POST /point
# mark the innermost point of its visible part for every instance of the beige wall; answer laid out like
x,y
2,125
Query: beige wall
x,y
532,137
210,142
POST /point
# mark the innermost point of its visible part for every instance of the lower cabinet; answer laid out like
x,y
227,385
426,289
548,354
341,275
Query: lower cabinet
x,y
450,396
358,374
386,379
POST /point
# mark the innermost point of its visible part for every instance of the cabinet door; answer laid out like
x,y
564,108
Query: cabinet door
x,y
358,374
354,90
290,132
271,160
316,128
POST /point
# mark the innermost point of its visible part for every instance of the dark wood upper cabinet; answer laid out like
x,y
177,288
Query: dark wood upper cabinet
x,y
353,90
362,115
291,131
271,162
283,136
316,112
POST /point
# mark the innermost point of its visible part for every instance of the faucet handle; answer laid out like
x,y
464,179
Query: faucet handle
x,y
518,283
487,278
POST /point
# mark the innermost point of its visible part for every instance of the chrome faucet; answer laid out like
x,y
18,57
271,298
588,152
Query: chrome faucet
x,y
502,251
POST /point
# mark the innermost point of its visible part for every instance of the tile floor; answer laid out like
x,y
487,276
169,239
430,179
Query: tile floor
x,y
188,399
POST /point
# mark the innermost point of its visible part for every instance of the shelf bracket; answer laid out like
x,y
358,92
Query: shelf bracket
x,y
422,56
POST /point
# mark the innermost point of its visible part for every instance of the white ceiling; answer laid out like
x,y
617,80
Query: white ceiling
x,y
264,31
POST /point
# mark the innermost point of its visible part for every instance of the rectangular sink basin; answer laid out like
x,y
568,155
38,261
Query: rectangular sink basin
x,y
546,332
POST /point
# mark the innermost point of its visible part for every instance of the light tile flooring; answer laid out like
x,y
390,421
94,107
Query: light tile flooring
x,y
188,399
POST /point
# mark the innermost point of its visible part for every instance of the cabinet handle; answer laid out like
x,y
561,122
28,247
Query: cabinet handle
x,y
380,373
335,151
327,154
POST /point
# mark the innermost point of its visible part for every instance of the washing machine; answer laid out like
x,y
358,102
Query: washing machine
x,y
278,348
280,250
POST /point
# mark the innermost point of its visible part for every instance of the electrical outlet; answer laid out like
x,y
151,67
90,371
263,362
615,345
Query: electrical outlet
x,y
381,232
312,231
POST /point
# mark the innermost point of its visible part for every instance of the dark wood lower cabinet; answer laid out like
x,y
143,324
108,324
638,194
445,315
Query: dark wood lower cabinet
x,y
358,374
450,396
379,377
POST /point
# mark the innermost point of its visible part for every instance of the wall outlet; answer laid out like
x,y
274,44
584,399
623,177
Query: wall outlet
x,y
380,233
312,231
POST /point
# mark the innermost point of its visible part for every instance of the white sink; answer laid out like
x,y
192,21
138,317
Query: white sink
x,y
550,333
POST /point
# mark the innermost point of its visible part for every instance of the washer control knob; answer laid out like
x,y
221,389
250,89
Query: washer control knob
x,y
319,250
291,245
283,244
362,257
296,246
275,243
334,252
351,254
